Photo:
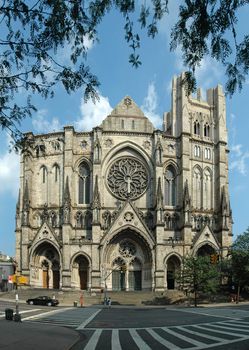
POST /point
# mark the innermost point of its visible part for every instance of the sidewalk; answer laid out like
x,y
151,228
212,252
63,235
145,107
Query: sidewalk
x,y
30,336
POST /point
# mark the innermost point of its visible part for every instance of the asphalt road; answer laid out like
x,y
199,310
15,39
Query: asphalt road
x,y
126,328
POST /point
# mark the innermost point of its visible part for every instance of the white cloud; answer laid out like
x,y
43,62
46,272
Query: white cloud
x,y
42,125
63,53
236,149
9,172
93,113
169,20
238,156
150,105
208,74
239,163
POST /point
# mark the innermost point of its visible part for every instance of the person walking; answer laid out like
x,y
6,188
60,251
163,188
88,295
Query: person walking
x,y
109,302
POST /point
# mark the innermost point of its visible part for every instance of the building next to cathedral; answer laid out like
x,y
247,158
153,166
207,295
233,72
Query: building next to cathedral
x,y
123,204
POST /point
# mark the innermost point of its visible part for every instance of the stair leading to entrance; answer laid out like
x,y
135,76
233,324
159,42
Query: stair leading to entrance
x,y
70,297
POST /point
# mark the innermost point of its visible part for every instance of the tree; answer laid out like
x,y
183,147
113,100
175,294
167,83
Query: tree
x,y
32,32
198,274
240,261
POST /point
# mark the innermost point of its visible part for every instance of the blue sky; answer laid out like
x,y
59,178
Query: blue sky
x,y
149,86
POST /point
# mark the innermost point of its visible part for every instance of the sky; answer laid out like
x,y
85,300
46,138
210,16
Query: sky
x,y
150,87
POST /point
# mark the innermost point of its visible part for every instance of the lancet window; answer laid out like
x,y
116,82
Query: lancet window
x,y
84,183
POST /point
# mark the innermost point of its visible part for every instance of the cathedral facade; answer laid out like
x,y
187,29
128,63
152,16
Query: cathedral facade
x,y
122,205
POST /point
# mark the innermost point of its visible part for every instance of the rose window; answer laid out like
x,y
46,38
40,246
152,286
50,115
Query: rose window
x,y
127,178
127,249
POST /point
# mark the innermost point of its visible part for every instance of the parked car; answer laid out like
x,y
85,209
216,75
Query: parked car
x,y
42,300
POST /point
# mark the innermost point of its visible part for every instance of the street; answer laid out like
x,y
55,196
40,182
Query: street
x,y
127,328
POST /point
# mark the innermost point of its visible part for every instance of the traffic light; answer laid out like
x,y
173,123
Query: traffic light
x,y
214,258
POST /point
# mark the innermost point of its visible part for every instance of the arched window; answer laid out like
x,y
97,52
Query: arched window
x,y
197,151
206,130
170,186
44,174
207,189
88,220
79,219
53,218
56,173
197,188
197,128
207,153
84,184
133,124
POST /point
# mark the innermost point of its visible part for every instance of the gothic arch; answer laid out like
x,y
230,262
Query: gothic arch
x,y
55,185
45,265
45,240
207,188
170,179
173,263
197,177
74,256
80,266
133,279
82,160
43,181
211,247
127,148
84,183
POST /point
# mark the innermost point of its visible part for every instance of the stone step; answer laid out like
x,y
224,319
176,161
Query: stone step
x,y
118,298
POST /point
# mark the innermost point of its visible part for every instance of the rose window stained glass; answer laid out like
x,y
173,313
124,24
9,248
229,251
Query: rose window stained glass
x,y
127,249
127,178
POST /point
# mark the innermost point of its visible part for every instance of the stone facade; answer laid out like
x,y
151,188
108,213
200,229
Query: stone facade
x,y
121,206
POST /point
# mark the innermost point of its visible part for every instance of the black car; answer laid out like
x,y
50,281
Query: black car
x,y
43,300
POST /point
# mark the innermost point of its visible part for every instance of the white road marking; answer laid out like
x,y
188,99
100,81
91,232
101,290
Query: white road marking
x,y
218,330
88,320
161,340
209,314
199,334
115,340
183,337
93,340
43,314
138,340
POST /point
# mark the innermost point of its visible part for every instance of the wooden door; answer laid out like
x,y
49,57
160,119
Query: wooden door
x,y
137,280
56,279
45,277
83,279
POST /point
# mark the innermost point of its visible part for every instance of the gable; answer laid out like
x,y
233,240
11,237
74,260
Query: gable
x,y
45,233
128,217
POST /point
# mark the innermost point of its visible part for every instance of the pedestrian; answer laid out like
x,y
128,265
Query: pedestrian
x,y
81,300
109,302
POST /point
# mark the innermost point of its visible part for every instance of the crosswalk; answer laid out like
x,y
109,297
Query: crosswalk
x,y
69,317
194,337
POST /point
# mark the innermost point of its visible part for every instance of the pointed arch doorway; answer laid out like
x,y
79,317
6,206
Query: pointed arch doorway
x,y
173,265
128,262
83,269
45,267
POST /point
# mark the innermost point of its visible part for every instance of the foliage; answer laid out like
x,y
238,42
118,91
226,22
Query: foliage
x,y
240,259
34,32
205,28
198,275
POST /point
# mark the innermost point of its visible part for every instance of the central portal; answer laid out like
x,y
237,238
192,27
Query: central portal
x,y
129,263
